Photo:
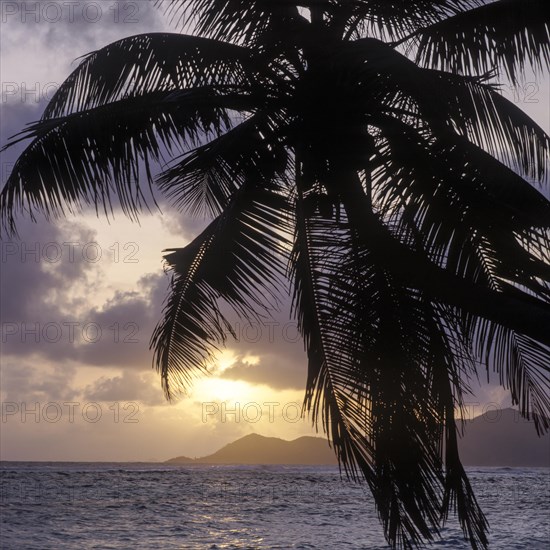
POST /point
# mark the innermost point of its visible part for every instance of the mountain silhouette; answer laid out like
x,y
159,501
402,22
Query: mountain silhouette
x,y
496,438
503,438
257,449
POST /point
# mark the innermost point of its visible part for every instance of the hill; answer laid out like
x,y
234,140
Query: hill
x,y
257,449
503,438
497,438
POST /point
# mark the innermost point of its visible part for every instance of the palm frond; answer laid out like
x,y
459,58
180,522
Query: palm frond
x,y
315,302
491,121
370,378
89,156
237,260
252,22
441,195
448,214
451,103
396,20
207,176
155,62
507,33
450,369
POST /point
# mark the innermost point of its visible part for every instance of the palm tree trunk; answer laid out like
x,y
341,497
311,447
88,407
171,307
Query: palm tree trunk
x,y
521,313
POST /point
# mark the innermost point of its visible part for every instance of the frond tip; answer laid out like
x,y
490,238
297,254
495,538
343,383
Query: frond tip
x,y
233,266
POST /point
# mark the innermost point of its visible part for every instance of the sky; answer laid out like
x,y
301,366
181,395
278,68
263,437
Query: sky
x,y
80,297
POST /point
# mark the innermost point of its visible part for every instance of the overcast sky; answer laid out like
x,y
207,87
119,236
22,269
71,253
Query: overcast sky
x,y
80,298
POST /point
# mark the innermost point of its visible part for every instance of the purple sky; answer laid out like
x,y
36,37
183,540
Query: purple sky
x,y
79,298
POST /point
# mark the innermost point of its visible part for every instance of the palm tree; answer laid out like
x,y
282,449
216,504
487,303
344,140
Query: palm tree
x,y
360,149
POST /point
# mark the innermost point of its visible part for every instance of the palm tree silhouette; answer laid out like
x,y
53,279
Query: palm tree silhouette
x,y
364,144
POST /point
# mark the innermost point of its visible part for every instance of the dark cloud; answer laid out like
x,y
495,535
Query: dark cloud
x,y
83,23
117,336
50,37
14,117
37,264
277,343
279,370
23,382
50,309
50,312
127,387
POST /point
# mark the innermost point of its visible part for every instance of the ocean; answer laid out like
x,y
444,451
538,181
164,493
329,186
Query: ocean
x,y
159,506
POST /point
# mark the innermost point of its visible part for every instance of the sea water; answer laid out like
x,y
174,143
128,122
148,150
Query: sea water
x,y
160,506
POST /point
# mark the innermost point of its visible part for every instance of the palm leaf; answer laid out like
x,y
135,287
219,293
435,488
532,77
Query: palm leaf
x,y
450,215
506,33
89,156
451,204
237,260
368,377
396,21
252,22
204,180
450,103
155,62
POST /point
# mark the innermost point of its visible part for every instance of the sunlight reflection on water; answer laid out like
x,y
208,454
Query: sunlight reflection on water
x,y
120,506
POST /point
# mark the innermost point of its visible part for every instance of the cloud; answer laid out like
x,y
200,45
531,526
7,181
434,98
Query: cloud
x,y
60,305
61,310
43,40
57,32
117,335
36,57
180,224
22,382
277,345
279,370
127,387
38,265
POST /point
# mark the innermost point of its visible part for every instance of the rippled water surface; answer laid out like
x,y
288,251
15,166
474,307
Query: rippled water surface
x,y
157,506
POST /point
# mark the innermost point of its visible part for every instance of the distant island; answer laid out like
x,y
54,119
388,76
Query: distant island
x,y
257,449
503,438
496,438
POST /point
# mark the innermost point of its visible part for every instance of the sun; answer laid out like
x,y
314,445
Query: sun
x,y
219,389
